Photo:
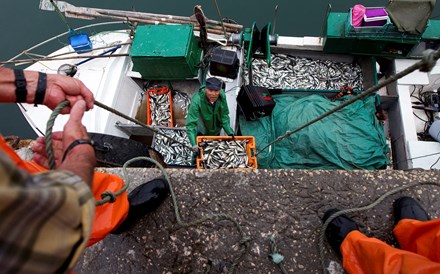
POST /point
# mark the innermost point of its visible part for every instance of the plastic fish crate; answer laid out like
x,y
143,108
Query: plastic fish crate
x,y
250,149
159,91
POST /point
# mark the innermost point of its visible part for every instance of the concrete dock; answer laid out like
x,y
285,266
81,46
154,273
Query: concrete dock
x,y
286,205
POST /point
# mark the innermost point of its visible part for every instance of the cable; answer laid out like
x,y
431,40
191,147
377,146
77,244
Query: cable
x,y
418,157
426,64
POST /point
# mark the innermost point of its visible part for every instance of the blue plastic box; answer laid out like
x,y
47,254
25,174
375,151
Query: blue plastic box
x,y
80,43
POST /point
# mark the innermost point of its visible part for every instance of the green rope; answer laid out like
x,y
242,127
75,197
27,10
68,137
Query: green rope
x,y
276,257
359,209
244,241
61,15
49,126
427,63
107,196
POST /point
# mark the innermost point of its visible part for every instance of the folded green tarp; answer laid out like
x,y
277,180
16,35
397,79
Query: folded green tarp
x,y
351,138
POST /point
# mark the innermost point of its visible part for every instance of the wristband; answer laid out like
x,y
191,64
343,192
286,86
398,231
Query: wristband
x,y
41,88
76,143
20,86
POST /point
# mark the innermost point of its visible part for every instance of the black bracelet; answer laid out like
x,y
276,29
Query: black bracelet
x,y
75,143
20,86
41,88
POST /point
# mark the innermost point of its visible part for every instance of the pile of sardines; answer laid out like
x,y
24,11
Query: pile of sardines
x,y
174,153
224,154
160,105
292,72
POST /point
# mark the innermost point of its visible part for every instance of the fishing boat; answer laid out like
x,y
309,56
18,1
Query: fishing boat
x,y
274,85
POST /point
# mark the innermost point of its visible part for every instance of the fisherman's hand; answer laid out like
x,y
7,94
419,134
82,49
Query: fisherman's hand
x,y
232,135
39,149
81,158
53,89
61,87
195,150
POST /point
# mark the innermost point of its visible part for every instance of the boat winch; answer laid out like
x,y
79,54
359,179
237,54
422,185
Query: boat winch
x,y
256,43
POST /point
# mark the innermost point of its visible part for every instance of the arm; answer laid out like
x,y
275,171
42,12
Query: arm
x,y
57,204
58,89
81,159
192,119
50,205
41,208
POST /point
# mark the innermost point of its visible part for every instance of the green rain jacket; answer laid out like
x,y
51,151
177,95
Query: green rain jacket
x,y
213,119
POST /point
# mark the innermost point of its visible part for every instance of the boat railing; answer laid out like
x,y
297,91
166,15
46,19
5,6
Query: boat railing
x,y
27,51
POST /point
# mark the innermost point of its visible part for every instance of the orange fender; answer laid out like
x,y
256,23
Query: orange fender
x,y
107,216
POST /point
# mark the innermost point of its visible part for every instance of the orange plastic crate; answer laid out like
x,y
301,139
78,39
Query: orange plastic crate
x,y
250,149
159,91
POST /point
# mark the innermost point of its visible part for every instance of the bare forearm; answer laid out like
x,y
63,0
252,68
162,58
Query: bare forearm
x,y
7,85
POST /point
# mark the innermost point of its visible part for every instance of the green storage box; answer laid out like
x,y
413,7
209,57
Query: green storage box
x,y
165,52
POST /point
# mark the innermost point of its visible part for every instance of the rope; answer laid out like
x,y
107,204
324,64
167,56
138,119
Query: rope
x,y
428,62
48,138
51,58
276,257
107,196
221,20
61,15
244,241
359,209
112,110
60,35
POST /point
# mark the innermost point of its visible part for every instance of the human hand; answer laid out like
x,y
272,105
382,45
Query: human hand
x,y
61,87
79,159
195,150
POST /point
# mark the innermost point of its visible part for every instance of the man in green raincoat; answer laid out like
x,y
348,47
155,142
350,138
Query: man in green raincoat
x,y
208,113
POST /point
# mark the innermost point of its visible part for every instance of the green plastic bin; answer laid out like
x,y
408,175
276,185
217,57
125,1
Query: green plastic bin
x,y
166,52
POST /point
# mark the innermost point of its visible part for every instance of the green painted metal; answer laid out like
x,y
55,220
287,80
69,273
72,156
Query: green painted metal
x,y
250,42
166,52
341,37
433,30
267,46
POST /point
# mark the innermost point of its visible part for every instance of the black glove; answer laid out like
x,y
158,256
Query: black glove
x,y
232,135
195,150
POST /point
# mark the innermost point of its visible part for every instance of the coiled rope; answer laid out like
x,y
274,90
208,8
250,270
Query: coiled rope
x,y
428,61
359,209
244,241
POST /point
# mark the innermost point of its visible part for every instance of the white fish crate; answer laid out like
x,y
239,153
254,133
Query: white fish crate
x,y
175,154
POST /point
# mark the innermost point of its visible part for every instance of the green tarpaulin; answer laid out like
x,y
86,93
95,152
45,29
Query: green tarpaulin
x,y
349,139
410,15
